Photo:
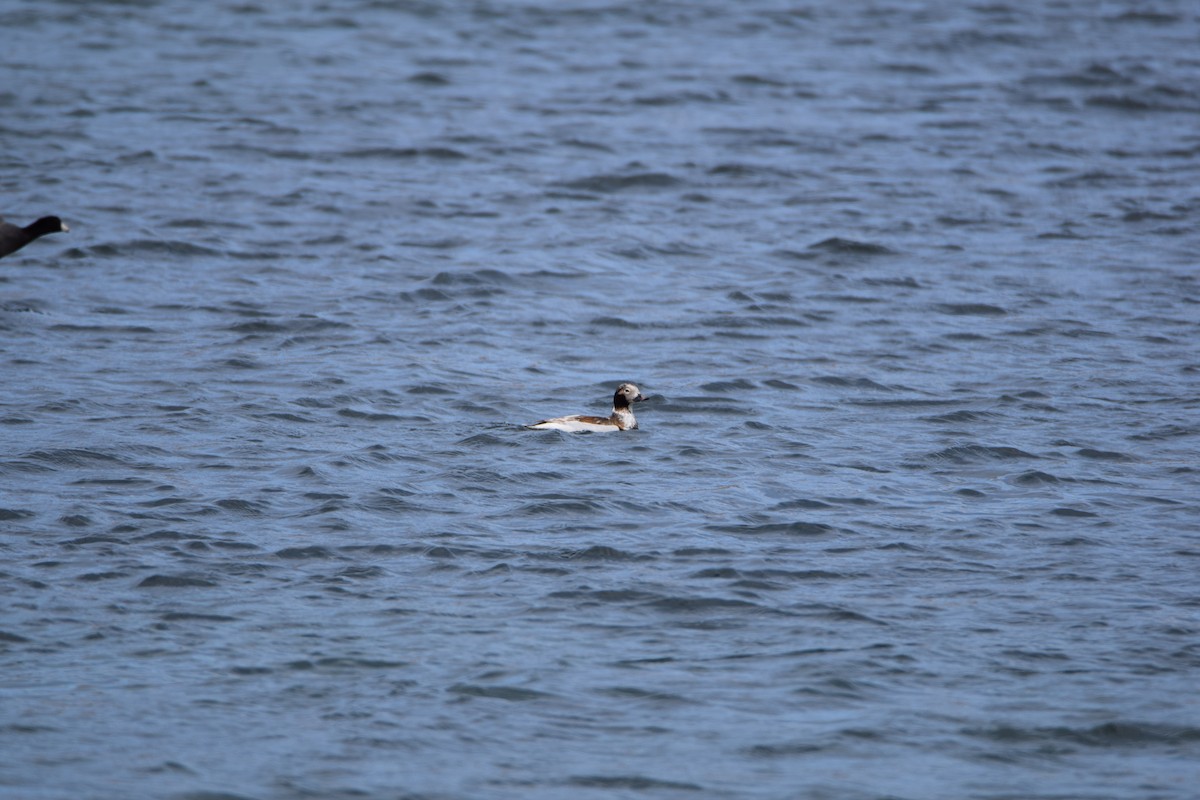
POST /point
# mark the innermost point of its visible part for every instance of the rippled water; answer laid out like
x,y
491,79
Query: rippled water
x,y
911,288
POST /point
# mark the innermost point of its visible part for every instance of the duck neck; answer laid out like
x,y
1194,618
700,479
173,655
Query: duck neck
x,y
622,417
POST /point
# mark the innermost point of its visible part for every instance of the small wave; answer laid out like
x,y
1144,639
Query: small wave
x,y
1145,18
405,153
961,416
22,307
428,78
1108,734
446,243
614,322
645,252
175,582
1035,478
1065,511
429,388
740,321
285,416
856,299
685,605
739,170
303,553
749,79
188,616
369,416
974,453
127,482
425,296
907,68
242,363
390,502
1092,76
836,244
720,387
631,783
851,383
1166,432
639,694
68,327
270,152
478,277
679,98
1095,177
194,223
137,247
788,750
1103,455
970,309
702,405
510,693
163,501
797,528
838,614
905,282
728,573
1158,100
492,440
801,503
903,402
297,325
561,506
795,574
69,457
607,184
236,505
1143,215
597,552
94,539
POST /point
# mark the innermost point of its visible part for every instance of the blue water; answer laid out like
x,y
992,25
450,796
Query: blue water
x,y
911,289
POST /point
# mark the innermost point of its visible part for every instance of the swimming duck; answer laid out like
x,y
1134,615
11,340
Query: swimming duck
x,y
13,238
621,419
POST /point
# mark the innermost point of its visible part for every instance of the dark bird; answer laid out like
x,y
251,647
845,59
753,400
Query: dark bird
x,y
13,238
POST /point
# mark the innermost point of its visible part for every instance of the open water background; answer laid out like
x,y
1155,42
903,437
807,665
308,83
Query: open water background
x,y
911,286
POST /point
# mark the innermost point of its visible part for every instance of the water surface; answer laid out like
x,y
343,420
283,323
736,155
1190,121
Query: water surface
x,y
911,289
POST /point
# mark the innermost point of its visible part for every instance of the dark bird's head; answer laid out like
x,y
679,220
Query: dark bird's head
x,y
626,394
47,225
